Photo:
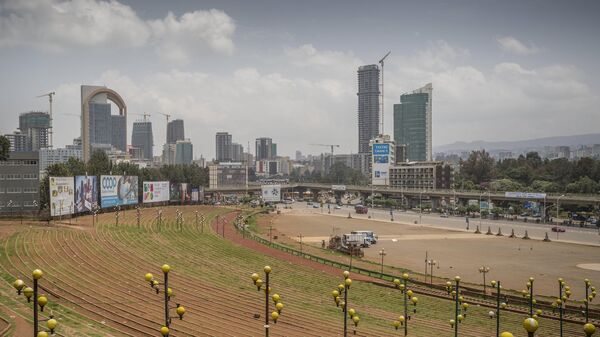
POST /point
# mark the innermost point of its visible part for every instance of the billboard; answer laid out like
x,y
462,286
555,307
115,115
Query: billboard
x,y
86,193
381,164
155,191
271,193
525,195
198,194
61,196
180,192
118,190
338,187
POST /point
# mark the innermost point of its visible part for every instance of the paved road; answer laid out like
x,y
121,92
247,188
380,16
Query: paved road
x,y
535,231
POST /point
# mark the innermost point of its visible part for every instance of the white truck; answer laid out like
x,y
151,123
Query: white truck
x,y
371,237
360,240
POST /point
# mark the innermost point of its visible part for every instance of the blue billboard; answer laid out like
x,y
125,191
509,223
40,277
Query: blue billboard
x,y
381,149
118,191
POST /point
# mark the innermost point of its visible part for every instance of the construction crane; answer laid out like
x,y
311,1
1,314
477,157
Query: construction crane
x,y
146,115
382,102
166,115
50,94
328,145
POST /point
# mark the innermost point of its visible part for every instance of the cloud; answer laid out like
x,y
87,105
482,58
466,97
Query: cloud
x,y
59,25
514,46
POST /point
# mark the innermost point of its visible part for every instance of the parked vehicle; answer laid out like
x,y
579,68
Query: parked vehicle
x,y
370,235
444,215
558,229
337,207
360,240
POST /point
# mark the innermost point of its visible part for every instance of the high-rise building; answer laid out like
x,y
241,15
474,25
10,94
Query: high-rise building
x,y
35,125
412,123
184,152
19,142
98,127
368,106
237,152
383,156
175,131
264,148
142,138
223,147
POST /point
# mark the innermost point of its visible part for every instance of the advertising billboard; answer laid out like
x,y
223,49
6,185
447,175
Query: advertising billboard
x,y
118,191
155,191
338,187
180,192
61,196
198,194
86,193
271,193
381,164
525,195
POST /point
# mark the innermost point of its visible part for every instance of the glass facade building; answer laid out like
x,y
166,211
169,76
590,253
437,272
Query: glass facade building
x,y
412,124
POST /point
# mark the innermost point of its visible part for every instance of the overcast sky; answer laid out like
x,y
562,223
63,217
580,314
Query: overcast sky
x,y
501,70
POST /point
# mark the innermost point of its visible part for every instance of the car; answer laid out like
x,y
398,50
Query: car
x,y
315,206
337,207
309,203
558,229
444,215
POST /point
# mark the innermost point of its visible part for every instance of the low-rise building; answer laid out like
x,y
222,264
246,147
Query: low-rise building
x,y
61,155
222,175
19,183
421,175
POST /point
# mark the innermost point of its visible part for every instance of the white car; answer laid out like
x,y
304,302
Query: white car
x,y
337,207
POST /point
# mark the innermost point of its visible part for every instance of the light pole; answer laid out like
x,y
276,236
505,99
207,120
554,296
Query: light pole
x,y
431,264
499,305
138,215
407,295
529,295
276,298
558,207
382,253
168,293
484,270
40,301
345,288
420,205
460,306
588,297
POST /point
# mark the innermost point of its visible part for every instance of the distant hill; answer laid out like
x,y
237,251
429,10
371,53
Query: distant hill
x,y
539,143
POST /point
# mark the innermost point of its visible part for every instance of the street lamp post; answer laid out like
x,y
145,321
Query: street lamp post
x,y
499,305
529,295
138,215
168,294
382,253
588,297
345,288
484,270
420,205
407,295
40,301
276,298
460,306
558,206
431,264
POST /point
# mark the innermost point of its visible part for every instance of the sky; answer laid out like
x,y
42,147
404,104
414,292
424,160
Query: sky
x,y
501,70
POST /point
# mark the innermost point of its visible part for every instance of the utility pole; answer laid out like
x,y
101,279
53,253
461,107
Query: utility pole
x,y
382,103
50,94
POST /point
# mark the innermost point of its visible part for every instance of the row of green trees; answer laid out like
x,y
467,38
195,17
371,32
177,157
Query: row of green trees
x,y
528,173
99,164
339,173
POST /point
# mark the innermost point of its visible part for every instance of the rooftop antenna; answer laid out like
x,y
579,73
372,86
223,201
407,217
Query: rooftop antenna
x,y
382,103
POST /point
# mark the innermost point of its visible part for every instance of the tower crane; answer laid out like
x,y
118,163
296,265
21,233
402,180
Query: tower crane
x,y
50,94
166,115
145,114
382,102
328,145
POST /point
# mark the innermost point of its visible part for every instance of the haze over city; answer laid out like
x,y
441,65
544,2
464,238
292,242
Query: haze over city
x,y
287,70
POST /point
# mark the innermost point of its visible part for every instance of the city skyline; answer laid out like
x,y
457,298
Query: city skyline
x,y
492,82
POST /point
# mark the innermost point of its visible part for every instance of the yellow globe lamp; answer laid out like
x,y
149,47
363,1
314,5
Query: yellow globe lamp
x,y
254,277
42,334
267,269
530,325
51,324
493,283
457,278
346,274
279,307
19,284
465,306
531,279
276,298
42,301
405,276
169,292
340,287
460,318
348,282
258,284
274,316
351,312
149,277
335,294
37,274
452,322
538,312
589,329
401,319
165,268
164,331
396,324
397,282
409,293
506,334
355,319
180,311
154,283
503,305
28,292
414,300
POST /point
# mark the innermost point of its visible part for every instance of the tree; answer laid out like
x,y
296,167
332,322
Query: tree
x,y
583,185
506,185
4,148
479,167
99,164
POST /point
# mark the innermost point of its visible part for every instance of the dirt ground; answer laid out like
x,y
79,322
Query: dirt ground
x,y
512,261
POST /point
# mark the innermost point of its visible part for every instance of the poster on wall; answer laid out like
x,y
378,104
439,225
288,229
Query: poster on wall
x,y
381,164
156,191
61,196
271,193
86,193
118,191
181,192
